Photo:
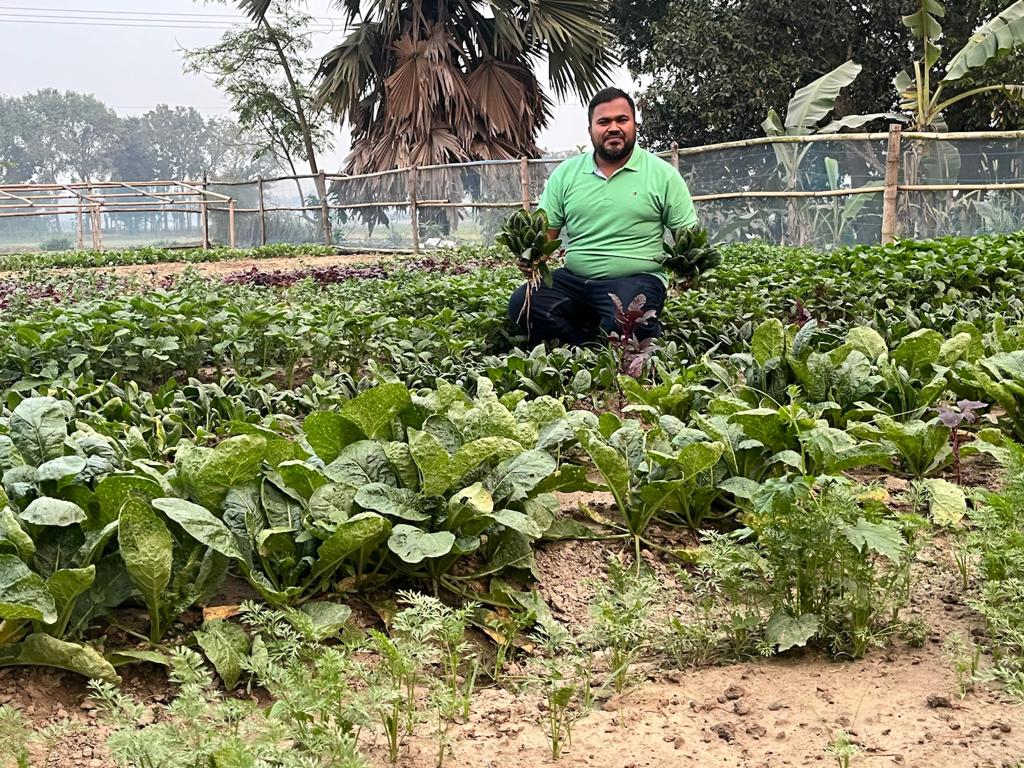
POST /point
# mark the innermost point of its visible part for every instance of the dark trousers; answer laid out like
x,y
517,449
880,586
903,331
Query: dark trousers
x,y
578,311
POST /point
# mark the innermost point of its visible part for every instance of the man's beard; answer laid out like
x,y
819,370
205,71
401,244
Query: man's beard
x,y
614,155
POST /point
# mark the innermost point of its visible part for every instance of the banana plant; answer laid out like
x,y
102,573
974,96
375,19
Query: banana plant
x,y
915,86
805,111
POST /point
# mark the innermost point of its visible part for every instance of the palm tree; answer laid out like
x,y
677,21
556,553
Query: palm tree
x,y
425,82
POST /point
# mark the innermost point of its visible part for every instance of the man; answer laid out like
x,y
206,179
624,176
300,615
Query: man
x,y
613,206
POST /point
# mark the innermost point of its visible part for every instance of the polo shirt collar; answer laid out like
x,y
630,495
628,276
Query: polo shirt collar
x,y
633,164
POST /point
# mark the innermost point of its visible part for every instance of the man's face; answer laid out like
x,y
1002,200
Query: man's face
x,y
613,130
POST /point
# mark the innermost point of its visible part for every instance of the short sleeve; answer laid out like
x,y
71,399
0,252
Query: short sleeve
x,y
552,199
679,210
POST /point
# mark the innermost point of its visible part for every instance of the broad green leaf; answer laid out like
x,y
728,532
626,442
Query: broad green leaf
x,y
514,550
470,510
816,99
868,341
331,504
765,425
918,350
541,410
351,535
926,28
388,500
279,448
66,585
999,35
514,478
226,645
114,490
61,468
327,618
401,460
413,545
883,539
433,461
361,463
38,428
11,530
122,657
201,525
518,521
954,349
282,508
740,487
374,410
301,478
768,341
477,452
208,473
23,594
698,457
46,651
55,512
610,463
569,478
785,631
328,432
147,550
947,502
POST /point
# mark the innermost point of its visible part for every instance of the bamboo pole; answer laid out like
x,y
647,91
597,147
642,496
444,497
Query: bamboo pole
x,y
205,217
231,224
771,193
675,155
959,187
79,228
325,210
524,181
262,210
413,212
890,197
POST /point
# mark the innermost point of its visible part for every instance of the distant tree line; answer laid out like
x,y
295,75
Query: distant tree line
x,y
51,136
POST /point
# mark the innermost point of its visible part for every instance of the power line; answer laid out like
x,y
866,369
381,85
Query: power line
x,y
86,20
190,14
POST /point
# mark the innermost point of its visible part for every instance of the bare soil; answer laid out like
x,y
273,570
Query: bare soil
x,y
156,272
900,704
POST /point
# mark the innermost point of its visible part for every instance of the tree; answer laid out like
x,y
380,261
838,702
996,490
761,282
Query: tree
x,y
435,81
73,135
267,73
16,164
716,68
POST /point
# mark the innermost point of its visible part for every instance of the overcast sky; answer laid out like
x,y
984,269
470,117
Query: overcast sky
x,y
111,49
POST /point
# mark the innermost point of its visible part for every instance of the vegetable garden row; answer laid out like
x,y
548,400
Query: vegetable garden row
x,y
337,434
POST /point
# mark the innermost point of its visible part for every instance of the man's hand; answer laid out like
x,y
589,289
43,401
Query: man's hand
x,y
525,268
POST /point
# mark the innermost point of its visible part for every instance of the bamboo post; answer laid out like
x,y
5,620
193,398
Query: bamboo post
x,y
524,180
231,223
414,217
205,213
80,226
325,207
263,211
675,155
97,229
890,196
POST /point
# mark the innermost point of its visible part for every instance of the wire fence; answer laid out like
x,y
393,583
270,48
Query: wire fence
x,y
819,190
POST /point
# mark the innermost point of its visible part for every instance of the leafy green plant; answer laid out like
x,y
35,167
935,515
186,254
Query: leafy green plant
x,y
690,255
621,622
199,725
644,476
525,234
964,656
831,568
843,749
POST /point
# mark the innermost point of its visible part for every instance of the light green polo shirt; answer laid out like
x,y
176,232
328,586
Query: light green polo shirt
x,y
615,226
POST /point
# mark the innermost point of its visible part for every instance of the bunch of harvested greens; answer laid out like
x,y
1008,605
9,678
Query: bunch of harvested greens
x,y
525,233
690,256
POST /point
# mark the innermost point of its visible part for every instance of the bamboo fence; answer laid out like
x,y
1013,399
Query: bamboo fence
x,y
411,189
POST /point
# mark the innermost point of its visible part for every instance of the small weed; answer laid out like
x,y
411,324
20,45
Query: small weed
x,y
621,618
964,656
843,749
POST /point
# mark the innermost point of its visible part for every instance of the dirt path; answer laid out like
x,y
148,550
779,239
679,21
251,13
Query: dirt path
x,y
899,704
156,272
